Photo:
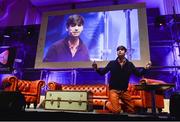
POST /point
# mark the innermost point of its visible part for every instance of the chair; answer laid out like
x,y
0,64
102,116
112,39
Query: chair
x,y
30,89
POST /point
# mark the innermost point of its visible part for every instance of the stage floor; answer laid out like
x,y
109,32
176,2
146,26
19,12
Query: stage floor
x,y
44,115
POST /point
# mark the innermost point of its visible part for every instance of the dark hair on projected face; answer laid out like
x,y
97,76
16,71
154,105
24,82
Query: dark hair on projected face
x,y
75,20
121,48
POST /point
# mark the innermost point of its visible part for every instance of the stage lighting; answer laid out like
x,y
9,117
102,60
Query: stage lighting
x,y
160,21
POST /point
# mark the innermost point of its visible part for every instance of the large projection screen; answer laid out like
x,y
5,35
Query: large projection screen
x,y
105,28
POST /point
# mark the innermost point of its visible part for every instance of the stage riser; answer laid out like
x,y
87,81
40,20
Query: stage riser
x,y
11,101
175,105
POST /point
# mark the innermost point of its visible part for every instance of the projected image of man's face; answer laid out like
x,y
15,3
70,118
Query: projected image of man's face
x,y
75,30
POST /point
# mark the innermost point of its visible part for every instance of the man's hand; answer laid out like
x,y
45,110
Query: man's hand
x,y
148,65
94,66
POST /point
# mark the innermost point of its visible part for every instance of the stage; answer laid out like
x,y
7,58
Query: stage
x,y
44,115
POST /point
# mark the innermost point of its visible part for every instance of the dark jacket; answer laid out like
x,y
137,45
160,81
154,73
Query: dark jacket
x,y
60,52
119,78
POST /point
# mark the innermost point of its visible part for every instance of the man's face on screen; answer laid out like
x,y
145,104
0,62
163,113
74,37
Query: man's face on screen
x,y
121,53
75,30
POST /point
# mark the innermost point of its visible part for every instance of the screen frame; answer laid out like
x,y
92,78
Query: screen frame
x,y
143,36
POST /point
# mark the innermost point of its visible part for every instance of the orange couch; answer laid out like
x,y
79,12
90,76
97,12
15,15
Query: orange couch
x,y
141,99
99,92
30,89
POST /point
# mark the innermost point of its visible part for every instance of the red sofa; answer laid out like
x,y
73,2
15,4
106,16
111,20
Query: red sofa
x,y
30,89
141,99
99,92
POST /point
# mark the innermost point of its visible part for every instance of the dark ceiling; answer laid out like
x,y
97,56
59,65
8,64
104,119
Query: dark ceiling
x,y
43,3
56,2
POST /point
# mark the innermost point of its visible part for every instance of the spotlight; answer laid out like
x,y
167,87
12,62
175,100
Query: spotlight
x,y
6,36
160,21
